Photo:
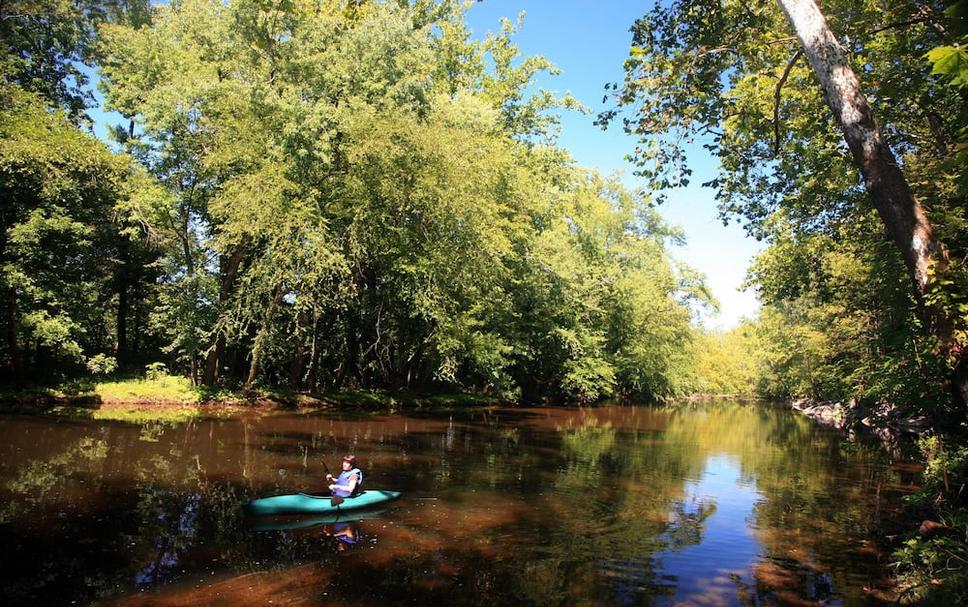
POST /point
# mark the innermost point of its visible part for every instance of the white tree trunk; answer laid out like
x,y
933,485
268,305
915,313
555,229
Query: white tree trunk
x,y
900,211
885,183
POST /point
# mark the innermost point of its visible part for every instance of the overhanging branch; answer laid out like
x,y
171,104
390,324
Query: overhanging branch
x,y
776,99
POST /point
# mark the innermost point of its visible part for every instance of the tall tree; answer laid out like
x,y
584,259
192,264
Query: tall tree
x,y
62,228
366,183
902,214
728,75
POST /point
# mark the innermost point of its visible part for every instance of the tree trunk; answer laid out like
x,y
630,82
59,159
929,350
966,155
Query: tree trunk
x,y
260,339
296,366
314,354
211,374
350,366
16,369
299,352
135,348
229,273
123,279
902,214
121,352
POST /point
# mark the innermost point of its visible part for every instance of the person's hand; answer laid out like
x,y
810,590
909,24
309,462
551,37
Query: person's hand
x,y
329,477
332,487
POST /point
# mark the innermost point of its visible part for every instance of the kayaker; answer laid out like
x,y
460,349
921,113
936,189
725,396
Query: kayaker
x,y
349,483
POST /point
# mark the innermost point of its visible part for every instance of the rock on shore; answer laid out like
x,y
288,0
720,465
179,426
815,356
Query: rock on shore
x,y
883,420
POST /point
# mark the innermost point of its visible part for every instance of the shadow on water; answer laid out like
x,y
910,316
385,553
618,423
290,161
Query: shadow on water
x,y
718,504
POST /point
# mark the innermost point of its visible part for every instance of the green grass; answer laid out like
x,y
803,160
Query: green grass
x,y
165,388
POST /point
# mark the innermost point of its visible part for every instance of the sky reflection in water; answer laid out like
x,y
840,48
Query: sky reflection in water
x,y
718,504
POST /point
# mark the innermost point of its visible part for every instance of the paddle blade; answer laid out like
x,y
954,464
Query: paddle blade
x,y
336,500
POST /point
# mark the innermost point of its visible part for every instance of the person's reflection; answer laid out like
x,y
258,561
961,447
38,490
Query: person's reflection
x,y
346,535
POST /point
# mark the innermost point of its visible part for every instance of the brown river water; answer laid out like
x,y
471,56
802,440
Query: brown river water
x,y
700,504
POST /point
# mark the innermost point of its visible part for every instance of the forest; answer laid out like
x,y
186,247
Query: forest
x,y
323,196
331,195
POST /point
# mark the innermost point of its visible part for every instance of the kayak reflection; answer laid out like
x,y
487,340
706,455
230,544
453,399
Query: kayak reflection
x,y
290,523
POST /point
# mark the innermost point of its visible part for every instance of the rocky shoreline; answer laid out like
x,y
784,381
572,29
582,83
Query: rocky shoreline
x,y
883,421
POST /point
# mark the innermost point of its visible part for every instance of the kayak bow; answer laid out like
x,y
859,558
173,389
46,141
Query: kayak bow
x,y
308,503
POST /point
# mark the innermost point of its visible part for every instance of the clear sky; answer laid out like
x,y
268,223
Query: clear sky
x,y
589,41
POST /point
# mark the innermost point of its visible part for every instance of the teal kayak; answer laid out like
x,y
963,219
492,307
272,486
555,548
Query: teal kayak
x,y
307,503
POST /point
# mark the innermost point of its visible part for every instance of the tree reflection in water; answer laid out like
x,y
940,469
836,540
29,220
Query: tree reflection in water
x,y
714,504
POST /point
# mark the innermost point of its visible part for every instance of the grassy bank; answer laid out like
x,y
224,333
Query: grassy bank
x,y
163,397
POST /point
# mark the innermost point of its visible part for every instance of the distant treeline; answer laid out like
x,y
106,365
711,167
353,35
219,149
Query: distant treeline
x,y
320,195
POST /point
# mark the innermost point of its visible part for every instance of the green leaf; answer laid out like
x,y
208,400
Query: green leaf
x,y
951,62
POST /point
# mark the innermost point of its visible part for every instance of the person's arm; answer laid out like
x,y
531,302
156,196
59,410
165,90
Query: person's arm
x,y
351,486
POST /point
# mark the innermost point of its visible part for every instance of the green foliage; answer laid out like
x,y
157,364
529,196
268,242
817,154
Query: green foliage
x,y
55,254
727,75
100,364
729,363
155,371
933,567
951,60
840,320
387,208
945,474
47,42
820,336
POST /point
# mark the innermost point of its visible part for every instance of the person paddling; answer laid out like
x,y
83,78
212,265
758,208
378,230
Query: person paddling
x,y
349,483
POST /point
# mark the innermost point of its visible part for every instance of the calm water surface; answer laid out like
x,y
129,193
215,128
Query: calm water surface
x,y
716,504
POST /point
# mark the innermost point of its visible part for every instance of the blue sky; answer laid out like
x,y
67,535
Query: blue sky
x,y
589,41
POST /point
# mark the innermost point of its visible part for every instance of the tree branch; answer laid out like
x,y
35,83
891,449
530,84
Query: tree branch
x,y
715,50
776,99
898,24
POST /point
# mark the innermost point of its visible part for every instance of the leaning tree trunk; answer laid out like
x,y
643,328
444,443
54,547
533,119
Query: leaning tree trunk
x,y
900,211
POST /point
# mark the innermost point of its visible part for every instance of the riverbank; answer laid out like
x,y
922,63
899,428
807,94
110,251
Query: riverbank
x,y
883,421
171,398
930,554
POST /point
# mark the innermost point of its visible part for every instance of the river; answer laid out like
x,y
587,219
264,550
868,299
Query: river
x,y
695,504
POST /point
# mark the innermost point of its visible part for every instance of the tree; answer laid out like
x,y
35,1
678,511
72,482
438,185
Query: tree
x,y
902,214
727,74
46,45
69,248
366,190
58,231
